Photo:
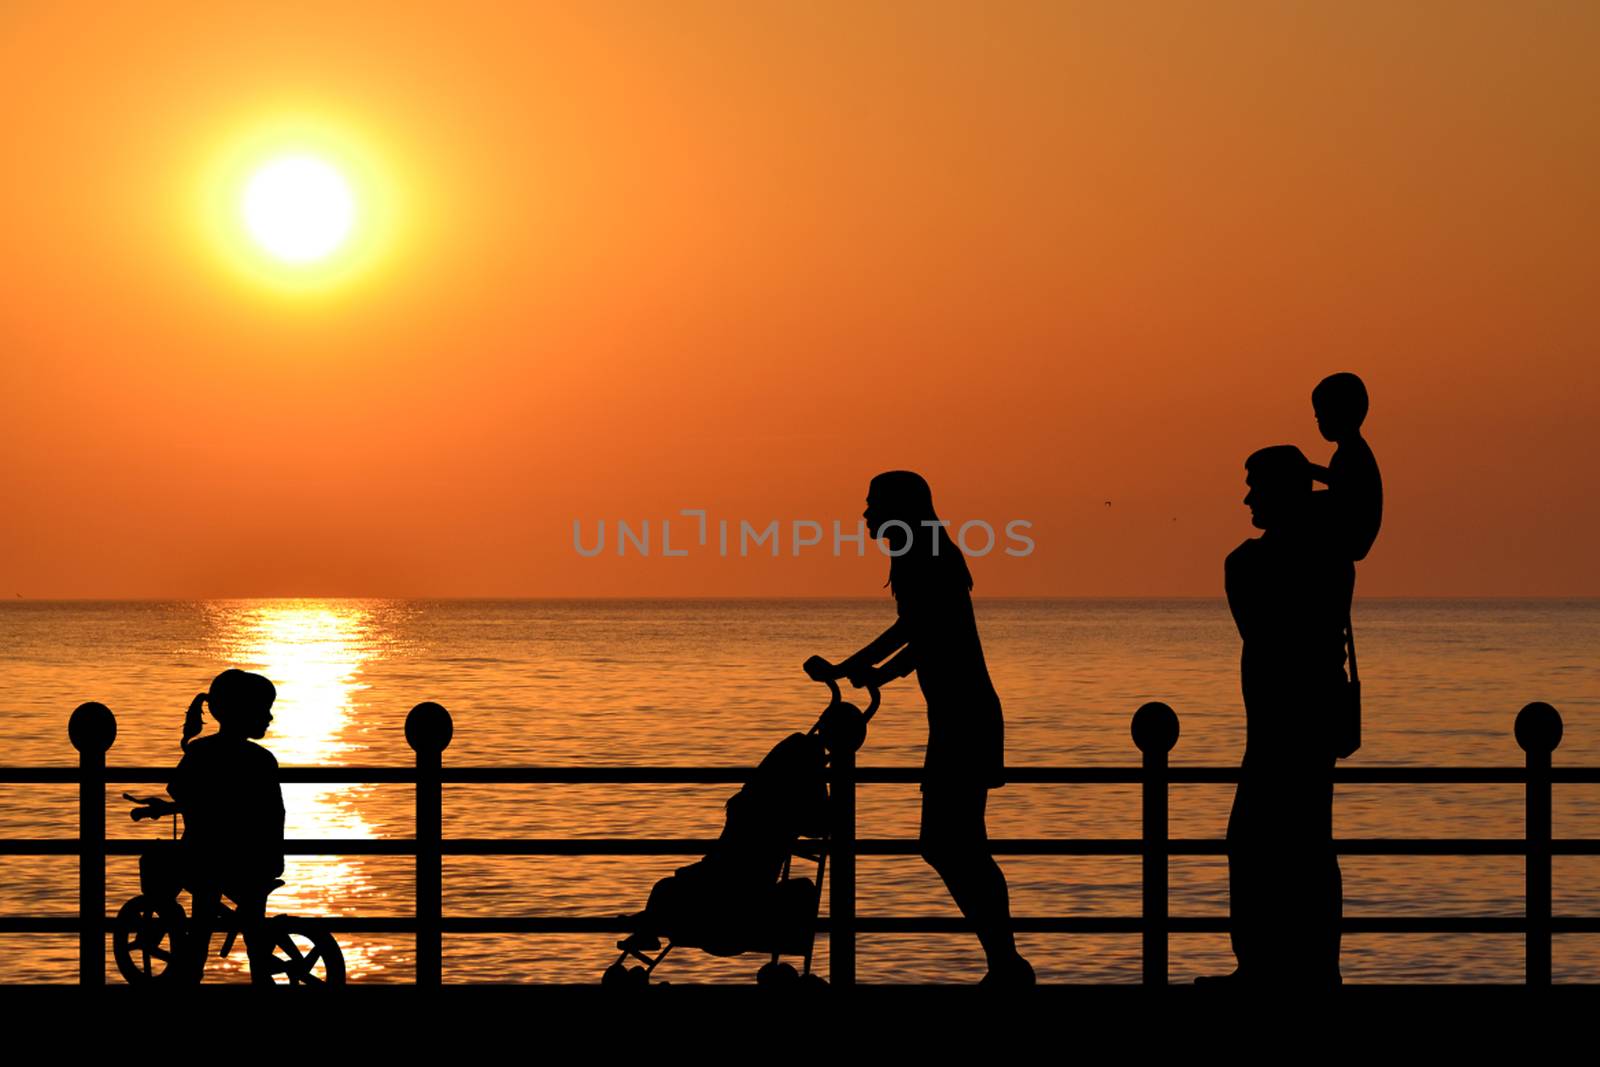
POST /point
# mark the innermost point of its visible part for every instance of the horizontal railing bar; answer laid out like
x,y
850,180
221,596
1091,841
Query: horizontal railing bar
x,y
23,775
686,846
401,846
638,775
41,924
1444,924
883,924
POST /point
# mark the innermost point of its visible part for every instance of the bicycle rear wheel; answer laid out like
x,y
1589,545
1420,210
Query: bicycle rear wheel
x,y
147,940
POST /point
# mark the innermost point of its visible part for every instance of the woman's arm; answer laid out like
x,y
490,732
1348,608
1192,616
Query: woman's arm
x,y
880,648
855,666
899,667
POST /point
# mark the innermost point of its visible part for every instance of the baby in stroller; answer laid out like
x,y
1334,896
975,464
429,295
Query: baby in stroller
x,y
742,897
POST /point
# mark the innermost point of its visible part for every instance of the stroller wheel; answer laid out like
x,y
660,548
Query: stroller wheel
x,y
638,976
615,975
777,975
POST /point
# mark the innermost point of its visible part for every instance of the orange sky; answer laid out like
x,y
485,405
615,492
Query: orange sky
x,y
741,257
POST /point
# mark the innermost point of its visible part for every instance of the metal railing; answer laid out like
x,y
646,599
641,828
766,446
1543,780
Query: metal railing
x,y
1538,730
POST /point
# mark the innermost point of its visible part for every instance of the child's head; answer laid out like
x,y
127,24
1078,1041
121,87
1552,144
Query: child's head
x,y
1340,402
241,702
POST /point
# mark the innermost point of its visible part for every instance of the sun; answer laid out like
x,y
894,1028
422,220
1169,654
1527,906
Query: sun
x,y
303,204
298,208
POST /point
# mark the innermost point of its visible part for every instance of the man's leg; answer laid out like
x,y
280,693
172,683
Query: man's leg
x,y
1310,918
1335,930
1248,898
1332,879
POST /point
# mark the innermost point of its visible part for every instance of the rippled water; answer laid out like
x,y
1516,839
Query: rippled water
x,y
718,682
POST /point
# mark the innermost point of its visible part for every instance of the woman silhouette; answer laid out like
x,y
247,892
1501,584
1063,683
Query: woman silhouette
x,y
966,735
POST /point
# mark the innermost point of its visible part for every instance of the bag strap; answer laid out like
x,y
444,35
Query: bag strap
x,y
1350,642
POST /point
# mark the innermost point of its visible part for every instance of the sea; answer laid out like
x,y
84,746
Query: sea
x,y
718,683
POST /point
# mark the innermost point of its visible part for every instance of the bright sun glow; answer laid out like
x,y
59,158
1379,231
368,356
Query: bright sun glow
x,y
303,205
298,208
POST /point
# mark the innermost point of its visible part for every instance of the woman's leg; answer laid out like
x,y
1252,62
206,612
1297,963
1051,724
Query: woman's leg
x,y
955,842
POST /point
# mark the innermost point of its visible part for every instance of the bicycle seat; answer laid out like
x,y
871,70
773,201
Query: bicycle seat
x,y
241,892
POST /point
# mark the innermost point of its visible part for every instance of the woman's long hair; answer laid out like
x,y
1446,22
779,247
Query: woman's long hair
x,y
905,495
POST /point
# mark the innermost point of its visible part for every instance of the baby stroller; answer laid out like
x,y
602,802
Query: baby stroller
x,y
743,896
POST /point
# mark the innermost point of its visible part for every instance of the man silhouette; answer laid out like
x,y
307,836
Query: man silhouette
x,y
1289,591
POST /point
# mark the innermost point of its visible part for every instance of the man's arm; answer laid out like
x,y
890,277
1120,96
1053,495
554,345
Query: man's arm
x,y
1233,583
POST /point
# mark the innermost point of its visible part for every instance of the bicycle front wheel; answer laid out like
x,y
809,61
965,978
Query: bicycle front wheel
x,y
304,952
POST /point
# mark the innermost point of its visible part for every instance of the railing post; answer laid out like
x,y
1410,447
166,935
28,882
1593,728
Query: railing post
x,y
1155,731
1538,732
842,871
92,729
428,731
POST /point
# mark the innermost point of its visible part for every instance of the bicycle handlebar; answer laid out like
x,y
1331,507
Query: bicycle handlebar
x,y
150,807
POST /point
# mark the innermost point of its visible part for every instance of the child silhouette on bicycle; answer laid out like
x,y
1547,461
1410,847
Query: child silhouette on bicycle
x,y
226,787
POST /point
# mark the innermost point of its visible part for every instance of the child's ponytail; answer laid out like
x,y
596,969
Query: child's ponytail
x,y
192,722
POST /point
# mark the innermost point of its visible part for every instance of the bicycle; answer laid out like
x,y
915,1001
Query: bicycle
x,y
149,934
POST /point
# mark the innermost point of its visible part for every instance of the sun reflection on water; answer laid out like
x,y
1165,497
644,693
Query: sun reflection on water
x,y
314,651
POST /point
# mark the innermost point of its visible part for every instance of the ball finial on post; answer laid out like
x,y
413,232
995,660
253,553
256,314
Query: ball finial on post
x,y
1539,728
1155,727
92,727
429,727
